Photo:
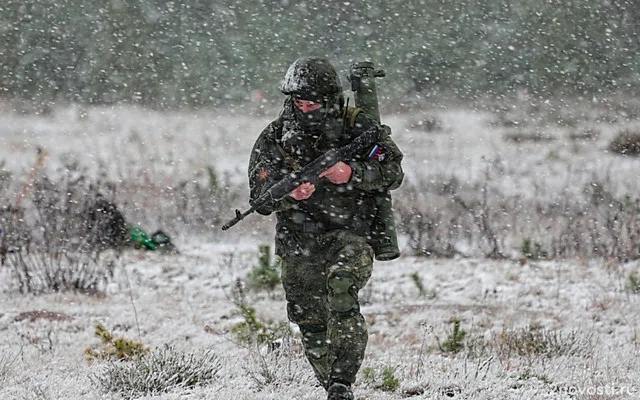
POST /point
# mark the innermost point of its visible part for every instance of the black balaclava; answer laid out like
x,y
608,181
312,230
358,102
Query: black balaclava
x,y
316,119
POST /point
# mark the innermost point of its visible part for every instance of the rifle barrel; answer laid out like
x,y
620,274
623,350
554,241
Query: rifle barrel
x,y
239,217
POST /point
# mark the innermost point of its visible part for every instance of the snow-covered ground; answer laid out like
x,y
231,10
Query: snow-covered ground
x,y
580,309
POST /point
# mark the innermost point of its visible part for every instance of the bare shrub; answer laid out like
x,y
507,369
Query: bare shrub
x,y
438,220
431,231
160,371
601,225
15,234
38,272
68,239
481,212
73,214
427,124
13,231
626,142
428,234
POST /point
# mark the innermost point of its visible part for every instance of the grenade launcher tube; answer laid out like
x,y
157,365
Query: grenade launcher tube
x,y
309,173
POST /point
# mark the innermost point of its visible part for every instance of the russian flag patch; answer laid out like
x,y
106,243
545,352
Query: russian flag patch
x,y
376,153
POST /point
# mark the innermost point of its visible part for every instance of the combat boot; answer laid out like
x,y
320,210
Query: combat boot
x,y
339,391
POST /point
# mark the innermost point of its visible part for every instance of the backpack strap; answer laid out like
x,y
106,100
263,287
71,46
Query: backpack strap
x,y
352,113
287,157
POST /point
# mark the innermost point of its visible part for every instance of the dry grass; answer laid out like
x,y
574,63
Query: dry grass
x,y
458,221
160,371
626,143
588,134
524,136
530,342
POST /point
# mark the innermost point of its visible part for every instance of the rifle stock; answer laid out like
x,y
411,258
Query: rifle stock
x,y
309,173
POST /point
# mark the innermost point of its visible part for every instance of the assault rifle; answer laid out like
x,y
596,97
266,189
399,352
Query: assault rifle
x,y
309,173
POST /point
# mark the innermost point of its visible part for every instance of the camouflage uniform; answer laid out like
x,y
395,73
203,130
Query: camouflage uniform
x,y
324,241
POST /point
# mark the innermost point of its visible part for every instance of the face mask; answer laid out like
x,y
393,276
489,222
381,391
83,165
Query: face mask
x,y
311,119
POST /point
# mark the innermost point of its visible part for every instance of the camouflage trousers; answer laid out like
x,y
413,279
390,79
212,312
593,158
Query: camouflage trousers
x,y
322,299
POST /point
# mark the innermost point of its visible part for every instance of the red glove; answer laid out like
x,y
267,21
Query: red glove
x,y
303,191
338,174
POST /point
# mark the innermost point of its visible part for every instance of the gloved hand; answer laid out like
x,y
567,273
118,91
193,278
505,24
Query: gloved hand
x,y
338,174
303,191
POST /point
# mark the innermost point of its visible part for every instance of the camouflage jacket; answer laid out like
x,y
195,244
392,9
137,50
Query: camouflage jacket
x,y
349,206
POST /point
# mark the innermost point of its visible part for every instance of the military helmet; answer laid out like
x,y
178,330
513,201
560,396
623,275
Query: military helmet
x,y
311,77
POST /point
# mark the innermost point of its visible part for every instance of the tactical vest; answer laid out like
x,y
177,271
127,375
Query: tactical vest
x,y
383,238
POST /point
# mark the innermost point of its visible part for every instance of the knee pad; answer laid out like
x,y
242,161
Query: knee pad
x,y
342,292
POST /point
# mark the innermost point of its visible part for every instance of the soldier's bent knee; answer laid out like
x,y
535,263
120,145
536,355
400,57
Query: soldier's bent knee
x,y
342,292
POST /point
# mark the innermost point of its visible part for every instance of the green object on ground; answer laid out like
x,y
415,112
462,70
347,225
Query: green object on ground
x,y
159,241
140,239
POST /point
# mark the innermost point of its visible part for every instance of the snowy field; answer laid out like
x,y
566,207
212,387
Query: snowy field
x,y
559,329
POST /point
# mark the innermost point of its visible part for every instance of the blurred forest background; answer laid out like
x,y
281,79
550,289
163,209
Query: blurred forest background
x,y
196,53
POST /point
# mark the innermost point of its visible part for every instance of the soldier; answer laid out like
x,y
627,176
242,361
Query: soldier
x,y
324,231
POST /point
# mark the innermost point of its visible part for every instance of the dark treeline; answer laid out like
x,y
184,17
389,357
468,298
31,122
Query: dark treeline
x,y
202,53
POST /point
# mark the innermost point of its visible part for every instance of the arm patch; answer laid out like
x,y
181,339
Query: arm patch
x,y
377,153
